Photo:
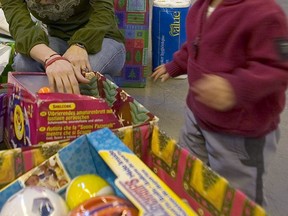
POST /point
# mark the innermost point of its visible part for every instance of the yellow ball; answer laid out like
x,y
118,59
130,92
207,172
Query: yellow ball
x,y
84,187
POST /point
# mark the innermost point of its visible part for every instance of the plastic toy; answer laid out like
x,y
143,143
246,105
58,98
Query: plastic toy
x,y
105,205
84,187
44,90
35,201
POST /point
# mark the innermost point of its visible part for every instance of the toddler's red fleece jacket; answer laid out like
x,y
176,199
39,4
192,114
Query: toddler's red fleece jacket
x,y
246,42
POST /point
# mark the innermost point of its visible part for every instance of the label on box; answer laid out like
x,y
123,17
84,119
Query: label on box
x,y
68,120
142,187
40,118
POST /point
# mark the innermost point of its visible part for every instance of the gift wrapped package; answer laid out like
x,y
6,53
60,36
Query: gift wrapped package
x,y
133,21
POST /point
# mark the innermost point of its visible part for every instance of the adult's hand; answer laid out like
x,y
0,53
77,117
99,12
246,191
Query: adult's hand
x,y
160,73
61,73
61,77
79,59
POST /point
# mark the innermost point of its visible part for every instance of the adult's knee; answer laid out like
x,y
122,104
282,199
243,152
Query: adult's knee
x,y
26,64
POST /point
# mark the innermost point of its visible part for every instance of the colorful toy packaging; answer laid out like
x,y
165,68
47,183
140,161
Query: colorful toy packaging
x,y
102,153
3,107
207,193
34,118
133,21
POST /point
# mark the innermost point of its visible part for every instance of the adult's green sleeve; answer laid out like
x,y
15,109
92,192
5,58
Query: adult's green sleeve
x,y
102,23
23,29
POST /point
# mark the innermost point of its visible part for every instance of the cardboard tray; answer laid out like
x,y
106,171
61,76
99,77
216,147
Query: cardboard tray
x,y
102,153
205,191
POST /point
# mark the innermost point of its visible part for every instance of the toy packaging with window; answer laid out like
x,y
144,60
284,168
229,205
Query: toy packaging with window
x,y
34,117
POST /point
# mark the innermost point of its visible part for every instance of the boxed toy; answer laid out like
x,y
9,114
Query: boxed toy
x,y
103,154
133,21
35,118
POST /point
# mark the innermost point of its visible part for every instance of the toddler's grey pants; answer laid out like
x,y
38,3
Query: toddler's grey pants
x,y
242,161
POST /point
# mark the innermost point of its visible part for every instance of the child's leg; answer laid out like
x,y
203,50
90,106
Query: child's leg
x,y
191,137
242,161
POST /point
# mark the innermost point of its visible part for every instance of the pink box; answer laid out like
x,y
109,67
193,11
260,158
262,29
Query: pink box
x,y
35,118
3,108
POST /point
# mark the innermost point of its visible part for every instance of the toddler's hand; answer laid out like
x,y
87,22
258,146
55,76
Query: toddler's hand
x,y
160,72
215,92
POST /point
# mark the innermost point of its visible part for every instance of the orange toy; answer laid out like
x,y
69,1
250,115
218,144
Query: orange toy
x,y
105,205
44,90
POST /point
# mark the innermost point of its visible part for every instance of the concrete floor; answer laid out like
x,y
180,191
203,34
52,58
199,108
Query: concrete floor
x,y
167,100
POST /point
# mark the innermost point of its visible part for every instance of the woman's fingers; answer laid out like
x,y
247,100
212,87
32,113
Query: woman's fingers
x,y
62,77
51,82
79,74
59,84
74,84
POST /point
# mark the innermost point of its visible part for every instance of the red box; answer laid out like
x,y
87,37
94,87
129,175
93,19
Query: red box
x,y
35,118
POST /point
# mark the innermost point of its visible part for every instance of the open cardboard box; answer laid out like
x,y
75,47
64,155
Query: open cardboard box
x,y
206,192
102,153
35,118
3,107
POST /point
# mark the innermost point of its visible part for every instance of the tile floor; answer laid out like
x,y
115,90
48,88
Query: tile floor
x,y
167,100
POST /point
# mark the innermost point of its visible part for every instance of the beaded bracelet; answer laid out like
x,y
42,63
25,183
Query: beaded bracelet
x,y
50,57
55,59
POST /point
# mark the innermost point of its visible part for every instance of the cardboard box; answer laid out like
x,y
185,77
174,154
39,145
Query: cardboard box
x,y
133,21
102,153
206,192
3,108
35,118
